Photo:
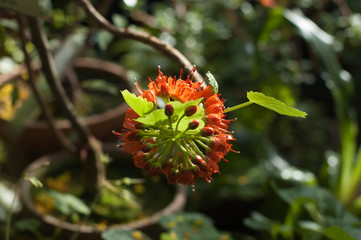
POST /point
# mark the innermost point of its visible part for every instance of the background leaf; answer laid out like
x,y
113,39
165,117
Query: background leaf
x,y
138,104
274,104
212,82
68,203
337,233
124,234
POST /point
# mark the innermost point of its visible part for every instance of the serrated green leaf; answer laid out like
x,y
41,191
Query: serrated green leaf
x,y
274,104
140,105
212,82
67,203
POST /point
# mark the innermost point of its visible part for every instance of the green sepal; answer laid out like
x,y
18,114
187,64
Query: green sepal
x,y
179,109
274,104
212,82
140,105
158,119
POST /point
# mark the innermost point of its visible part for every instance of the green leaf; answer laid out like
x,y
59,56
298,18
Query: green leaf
x,y
179,109
196,225
154,118
140,105
34,181
159,119
67,203
30,225
212,82
124,234
259,222
337,233
274,104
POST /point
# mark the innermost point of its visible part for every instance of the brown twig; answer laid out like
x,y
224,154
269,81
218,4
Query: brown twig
x,y
344,8
93,165
44,107
143,37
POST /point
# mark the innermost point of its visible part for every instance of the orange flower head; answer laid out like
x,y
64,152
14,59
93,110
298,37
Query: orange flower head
x,y
186,139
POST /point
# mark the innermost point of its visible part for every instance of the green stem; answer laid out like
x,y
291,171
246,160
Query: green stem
x,y
176,127
8,220
356,175
239,106
203,145
170,125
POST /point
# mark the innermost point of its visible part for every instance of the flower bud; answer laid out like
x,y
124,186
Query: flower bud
x,y
198,161
196,171
164,91
146,148
207,131
155,169
139,126
193,124
173,176
134,136
213,118
219,145
190,110
168,110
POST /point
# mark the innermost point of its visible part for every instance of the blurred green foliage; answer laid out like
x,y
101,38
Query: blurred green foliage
x,y
247,47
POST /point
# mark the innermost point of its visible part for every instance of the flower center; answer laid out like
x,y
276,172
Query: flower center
x,y
177,138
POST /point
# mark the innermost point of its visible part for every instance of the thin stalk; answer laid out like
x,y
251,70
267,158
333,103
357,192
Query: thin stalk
x,y
44,107
348,150
176,127
8,220
239,106
94,168
356,175
143,37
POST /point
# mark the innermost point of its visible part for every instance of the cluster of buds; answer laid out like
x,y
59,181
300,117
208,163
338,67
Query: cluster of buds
x,y
186,139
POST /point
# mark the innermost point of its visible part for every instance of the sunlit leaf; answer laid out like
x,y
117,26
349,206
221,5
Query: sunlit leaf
x,y
138,104
158,117
274,104
154,118
212,82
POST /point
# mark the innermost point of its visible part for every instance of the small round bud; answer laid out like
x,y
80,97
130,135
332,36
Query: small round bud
x,y
198,161
219,145
193,124
139,126
146,148
196,171
155,169
134,136
173,176
213,118
207,131
164,91
147,165
168,110
190,110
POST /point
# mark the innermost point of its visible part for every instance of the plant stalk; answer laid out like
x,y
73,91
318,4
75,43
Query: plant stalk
x,y
93,165
239,106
